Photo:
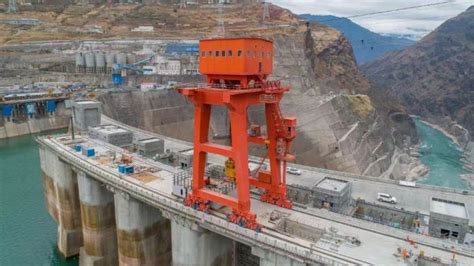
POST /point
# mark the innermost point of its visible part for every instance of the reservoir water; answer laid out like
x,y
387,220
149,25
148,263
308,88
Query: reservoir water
x,y
442,156
28,234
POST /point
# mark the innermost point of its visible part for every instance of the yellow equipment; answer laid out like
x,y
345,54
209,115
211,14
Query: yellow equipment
x,y
91,95
230,169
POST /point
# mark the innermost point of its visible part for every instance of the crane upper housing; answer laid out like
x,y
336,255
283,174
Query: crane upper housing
x,y
236,58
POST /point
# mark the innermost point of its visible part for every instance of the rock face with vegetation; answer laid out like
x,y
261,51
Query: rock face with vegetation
x,y
435,77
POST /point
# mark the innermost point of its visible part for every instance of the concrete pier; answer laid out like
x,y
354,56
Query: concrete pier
x,y
269,258
143,235
62,201
98,223
197,246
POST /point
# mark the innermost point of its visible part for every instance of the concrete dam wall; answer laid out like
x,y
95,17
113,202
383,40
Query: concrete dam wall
x,y
23,125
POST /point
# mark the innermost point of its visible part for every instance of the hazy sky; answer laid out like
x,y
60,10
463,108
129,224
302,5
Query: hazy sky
x,y
416,21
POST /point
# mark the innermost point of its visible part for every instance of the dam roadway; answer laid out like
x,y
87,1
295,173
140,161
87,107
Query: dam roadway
x,y
308,236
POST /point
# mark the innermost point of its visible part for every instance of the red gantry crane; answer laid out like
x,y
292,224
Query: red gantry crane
x,y
236,70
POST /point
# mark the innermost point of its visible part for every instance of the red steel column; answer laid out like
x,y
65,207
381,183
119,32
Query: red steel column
x,y
202,116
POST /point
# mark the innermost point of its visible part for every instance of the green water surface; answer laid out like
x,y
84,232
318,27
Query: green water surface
x,y
27,232
442,156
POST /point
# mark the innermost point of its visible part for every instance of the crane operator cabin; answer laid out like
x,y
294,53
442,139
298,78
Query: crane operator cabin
x,y
237,61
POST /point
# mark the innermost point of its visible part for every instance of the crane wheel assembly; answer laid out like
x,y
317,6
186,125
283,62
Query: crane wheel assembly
x,y
237,71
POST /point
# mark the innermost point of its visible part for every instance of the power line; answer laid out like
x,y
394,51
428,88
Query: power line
x,y
390,11
383,41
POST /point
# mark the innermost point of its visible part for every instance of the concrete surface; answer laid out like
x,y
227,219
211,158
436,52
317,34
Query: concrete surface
x,y
98,223
268,258
197,246
60,179
143,235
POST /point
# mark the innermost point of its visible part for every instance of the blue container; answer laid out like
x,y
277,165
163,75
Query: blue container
x,y
129,169
117,79
7,110
121,168
78,147
51,106
181,48
30,108
90,152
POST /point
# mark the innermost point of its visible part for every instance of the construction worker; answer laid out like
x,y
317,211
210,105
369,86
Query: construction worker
x,y
404,253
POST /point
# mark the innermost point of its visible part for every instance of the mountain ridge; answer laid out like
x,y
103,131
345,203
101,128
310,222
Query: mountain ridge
x,y
435,77
367,45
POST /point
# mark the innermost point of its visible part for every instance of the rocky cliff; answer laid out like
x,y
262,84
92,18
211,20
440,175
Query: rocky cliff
x,y
435,77
367,45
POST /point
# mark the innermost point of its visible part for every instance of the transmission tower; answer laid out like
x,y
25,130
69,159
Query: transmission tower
x,y
266,11
220,21
182,4
12,6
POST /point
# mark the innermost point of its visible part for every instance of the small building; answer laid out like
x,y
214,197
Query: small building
x,y
146,86
189,65
300,194
184,48
86,114
166,65
149,70
333,194
448,219
112,134
184,158
20,21
150,146
143,29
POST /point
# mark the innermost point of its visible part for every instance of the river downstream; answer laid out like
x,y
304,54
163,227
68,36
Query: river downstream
x,y
442,156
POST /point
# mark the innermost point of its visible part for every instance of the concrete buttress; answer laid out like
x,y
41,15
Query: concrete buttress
x,y
98,223
197,246
62,201
269,258
143,235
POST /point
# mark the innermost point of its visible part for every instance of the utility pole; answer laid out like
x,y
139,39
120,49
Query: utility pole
x,y
12,6
72,129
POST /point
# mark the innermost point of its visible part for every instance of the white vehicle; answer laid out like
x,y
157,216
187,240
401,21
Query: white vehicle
x,y
386,198
293,171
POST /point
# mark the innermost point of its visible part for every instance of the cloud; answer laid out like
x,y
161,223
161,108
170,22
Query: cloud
x,y
416,22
